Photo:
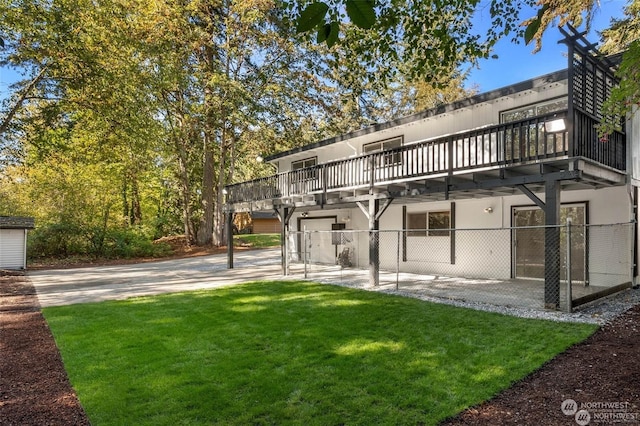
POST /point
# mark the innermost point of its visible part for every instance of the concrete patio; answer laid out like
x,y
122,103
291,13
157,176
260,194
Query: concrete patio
x,y
95,284
524,293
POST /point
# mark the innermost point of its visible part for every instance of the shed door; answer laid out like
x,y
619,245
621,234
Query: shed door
x,y
12,249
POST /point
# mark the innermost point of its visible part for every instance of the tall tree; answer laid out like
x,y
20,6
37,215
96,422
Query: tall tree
x,y
85,74
172,101
244,71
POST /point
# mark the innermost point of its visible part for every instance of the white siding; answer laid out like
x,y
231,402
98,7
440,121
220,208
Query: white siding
x,y
474,249
12,248
479,115
488,254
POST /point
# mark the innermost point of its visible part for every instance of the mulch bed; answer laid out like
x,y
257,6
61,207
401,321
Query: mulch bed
x,y
34,388
600,374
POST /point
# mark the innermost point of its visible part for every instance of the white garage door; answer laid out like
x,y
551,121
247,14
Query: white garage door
x,y
12,249
319,247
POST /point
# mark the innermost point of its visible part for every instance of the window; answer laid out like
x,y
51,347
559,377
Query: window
x,y
531,139
385,145
304,164
432,224
417,224
543,108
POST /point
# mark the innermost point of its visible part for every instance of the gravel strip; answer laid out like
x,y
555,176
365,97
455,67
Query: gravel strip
x,y
601,311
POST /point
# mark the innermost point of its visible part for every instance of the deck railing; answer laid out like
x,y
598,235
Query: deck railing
x,y
610,150
506,144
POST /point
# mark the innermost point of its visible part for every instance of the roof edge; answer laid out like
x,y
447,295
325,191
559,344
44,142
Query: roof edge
x,y
16,222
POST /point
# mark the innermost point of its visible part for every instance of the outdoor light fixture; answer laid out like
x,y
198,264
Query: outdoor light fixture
x,y
488,210
260,160
555,125
224,191
304,214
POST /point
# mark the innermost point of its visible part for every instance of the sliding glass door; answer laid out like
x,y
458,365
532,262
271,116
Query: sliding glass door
x,y
528,241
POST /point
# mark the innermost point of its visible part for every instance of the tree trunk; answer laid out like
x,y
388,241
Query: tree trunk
x,y
218,217
185,192
205,231
131,206
125,200
184,135
6,120
225,175
136,210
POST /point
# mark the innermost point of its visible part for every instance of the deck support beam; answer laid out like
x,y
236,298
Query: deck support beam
x,y
552,264
373,212
552,245
229,230
533,197
284,214
374,243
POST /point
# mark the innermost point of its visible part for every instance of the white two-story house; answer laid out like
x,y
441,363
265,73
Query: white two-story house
x,y
523,155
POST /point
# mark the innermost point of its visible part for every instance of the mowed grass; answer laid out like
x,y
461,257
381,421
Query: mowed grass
x,y
293,353
258,240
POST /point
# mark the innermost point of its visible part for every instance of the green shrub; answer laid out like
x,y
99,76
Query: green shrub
x,y
60,240
55,240
132,242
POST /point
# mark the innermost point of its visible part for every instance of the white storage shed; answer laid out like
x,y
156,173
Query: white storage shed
x,y
13,241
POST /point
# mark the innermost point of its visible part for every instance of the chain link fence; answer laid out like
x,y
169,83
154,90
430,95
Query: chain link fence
x,y
535,267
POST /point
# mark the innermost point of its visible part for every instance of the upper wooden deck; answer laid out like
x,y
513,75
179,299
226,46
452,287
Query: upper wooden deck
x,y
491,158
540,140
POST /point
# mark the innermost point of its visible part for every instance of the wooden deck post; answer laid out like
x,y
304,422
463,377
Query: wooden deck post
x,y
373,212
229,230
374,242
284,230
284,214
552,245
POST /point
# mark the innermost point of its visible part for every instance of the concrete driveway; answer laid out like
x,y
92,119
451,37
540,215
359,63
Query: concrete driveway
x,y
68,286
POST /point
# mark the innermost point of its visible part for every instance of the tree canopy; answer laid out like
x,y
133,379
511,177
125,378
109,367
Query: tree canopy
x,y
427,38
132,115
136,114
424,39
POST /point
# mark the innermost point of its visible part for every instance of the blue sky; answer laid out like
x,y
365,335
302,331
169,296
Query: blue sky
x,y
7,76
516,62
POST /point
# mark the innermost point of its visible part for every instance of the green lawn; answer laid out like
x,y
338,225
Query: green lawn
x,y
257,240
293,353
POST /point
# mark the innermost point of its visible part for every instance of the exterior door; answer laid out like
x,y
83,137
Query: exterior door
x,y
528,242
319,245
